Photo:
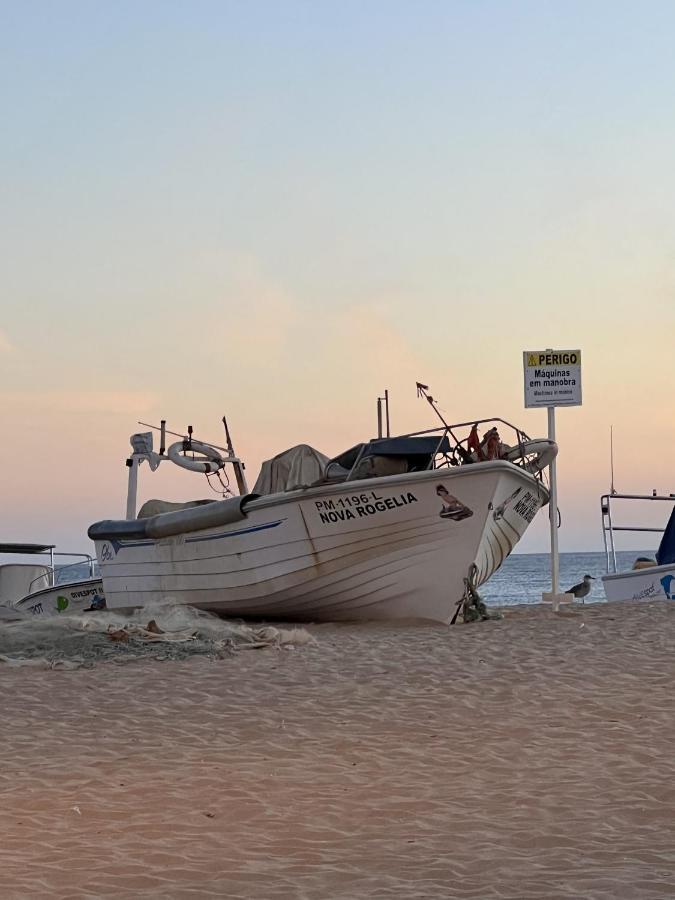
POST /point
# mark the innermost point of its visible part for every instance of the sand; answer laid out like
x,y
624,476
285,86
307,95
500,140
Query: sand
x,y
532,757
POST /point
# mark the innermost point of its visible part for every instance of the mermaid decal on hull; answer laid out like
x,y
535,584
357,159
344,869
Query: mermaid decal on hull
x,y
452,507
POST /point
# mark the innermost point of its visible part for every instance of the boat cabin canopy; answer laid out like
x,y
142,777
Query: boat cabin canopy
x,y
388,456
26,548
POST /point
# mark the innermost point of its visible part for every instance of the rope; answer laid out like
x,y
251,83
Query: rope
x,y
472,606
225,485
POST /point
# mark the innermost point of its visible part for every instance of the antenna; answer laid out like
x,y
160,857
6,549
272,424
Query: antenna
x,y
611,459
228,439
423,392
237,464
380,401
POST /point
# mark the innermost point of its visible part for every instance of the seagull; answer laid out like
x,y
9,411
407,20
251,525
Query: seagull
x,y
582,589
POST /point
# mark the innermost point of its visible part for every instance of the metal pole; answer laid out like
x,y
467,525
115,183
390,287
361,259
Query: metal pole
x,y
604,509
611,458
133,487
175,434
379,417
611,534
237,464
386,409
553,508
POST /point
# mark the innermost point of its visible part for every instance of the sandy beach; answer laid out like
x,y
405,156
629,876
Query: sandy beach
x,y
532,757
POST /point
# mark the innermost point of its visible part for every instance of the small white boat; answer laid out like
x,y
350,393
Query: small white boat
x,y
649,579
396,527
45,589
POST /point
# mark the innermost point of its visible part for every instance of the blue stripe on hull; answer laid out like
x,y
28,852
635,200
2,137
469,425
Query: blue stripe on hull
x,y
125,545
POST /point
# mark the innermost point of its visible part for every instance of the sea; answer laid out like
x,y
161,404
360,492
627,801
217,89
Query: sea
x,y
525,576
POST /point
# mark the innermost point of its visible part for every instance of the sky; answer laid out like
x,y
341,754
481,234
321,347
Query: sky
x,y
275,211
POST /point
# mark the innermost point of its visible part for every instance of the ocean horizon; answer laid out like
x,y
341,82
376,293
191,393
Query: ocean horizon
x,y
523,577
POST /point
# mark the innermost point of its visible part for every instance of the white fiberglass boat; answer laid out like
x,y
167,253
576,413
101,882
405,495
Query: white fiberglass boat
x,y
649,579
397,527
45,589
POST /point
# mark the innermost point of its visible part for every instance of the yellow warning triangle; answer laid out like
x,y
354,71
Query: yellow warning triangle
x,y
532,360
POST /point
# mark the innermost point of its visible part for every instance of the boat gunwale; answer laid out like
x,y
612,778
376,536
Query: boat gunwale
x,y
647,570
271,500
58,587
126,530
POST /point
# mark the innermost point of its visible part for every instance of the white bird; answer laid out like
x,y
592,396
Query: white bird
x,y
582,589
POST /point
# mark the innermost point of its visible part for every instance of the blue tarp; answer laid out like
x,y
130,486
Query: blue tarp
x,y
666,552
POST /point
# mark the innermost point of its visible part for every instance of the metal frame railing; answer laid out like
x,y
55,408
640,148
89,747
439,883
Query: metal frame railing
x,y
52,568
608,526
459,452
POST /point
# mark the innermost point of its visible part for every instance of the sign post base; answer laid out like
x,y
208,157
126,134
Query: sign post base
x,y
556,600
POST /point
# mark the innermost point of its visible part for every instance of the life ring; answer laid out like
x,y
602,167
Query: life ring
x,y
542,453
211,460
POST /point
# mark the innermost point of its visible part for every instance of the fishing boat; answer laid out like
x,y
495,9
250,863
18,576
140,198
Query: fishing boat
x,y
392,528
649,579
45,588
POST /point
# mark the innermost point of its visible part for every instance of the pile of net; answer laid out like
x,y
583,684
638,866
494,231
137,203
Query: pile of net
x,y
167,631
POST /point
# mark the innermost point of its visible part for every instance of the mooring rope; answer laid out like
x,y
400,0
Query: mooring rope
x,y
472,605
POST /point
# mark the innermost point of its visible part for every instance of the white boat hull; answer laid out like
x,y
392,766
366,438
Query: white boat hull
x,y
370,549
60,599
652,583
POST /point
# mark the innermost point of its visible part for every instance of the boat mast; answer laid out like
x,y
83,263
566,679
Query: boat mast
x,y
132,486
237,464
380,401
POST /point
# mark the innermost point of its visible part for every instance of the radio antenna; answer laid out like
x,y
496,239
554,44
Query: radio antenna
x,y
611,459
423,391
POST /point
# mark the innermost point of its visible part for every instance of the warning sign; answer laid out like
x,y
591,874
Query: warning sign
x,y
552,377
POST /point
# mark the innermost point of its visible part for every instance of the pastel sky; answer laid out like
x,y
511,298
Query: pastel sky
x,y
277,210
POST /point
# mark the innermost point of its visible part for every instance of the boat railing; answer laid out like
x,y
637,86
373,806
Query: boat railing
x,y
459,453
608,526
53,570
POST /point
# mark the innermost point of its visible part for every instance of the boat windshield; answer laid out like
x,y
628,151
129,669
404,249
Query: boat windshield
x,y
454,445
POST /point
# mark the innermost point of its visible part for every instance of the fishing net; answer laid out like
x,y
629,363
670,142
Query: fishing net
x,y
158,631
